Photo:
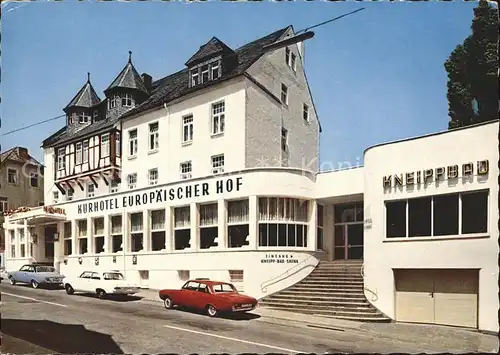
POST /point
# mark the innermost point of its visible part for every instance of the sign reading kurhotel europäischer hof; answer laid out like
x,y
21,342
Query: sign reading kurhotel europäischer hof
x,y
162,195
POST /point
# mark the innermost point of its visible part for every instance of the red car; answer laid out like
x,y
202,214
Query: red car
x,y
212,296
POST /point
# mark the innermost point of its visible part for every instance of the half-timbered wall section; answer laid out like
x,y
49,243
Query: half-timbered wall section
x,y
94,159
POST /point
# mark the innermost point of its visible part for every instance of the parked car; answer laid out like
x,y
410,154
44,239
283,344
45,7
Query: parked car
x,y
111,283
212,296
36,275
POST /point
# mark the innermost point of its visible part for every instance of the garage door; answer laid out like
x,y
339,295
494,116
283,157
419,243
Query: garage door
x,y
446,297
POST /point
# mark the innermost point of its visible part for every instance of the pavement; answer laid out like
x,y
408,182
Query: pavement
x,y
49,321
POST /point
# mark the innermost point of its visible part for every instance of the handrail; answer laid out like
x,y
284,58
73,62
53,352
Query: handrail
x,y
265,284
362,271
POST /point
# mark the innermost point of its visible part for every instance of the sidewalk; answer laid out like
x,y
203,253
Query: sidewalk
x,y
440,338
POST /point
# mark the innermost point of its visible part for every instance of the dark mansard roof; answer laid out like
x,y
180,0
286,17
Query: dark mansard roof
x,y
174,86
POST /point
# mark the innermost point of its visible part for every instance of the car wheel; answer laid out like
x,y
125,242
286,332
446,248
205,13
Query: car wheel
x,y
12,280
101,293
167,302
69,289
34,284
211,310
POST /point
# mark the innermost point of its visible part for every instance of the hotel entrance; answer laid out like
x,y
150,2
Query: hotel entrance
x,y
348,231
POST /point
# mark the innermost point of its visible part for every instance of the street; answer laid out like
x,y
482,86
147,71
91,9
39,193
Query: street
x,y
47,321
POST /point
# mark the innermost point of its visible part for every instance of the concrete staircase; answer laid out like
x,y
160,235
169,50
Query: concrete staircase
x,y
333,289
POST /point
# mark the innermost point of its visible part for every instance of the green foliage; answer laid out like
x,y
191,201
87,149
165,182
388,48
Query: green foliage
x,y
472,70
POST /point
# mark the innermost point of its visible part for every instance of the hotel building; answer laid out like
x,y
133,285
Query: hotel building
x,y
213,171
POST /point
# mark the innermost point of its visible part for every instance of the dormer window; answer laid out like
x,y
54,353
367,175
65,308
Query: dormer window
x,y
127,100
83,117
113,101
215,71
194,77
205,72
96,115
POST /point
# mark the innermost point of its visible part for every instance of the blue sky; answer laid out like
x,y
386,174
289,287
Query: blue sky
x,y
375,76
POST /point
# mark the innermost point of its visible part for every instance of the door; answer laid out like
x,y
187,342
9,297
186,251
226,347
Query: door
x,y
414,296
455,297
349,241
448,296
82,282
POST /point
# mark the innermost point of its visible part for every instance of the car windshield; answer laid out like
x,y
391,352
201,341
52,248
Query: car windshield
x,y
218,288
113,276
45,269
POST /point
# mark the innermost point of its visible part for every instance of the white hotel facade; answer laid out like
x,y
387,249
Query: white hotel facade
x,y
213,172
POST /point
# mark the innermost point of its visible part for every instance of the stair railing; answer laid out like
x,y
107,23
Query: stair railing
x,y
296,268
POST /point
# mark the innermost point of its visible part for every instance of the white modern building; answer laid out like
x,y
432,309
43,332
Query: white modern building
x,y
213,172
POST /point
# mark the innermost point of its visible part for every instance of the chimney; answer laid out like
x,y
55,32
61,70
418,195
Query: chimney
x,y
147,80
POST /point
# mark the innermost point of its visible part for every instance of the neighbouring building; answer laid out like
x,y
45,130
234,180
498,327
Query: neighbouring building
x,y
213,172
21,184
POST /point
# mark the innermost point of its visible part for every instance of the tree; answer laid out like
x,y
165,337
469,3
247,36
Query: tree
x,y
472,70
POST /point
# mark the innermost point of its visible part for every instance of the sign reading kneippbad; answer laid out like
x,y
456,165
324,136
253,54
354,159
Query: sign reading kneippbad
x,y
162,195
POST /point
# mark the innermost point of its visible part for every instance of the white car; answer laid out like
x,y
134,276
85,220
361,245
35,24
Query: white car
x,y
110,283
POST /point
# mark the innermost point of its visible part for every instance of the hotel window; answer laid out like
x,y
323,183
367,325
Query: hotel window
x,y
319,233
78,155
153,176
68,243
69,195
105,145
4,206
136,232
348,212
290,59
187,129
218,164
440,215
85,154
154,136
305,113
182,227
114,186
61,159
195,79
55,196
132,142
116,233
33,179
90,190
284,139
13,251
218,117
283,222
127,100
23,250
186,170
209,229
84,117
82,236
118,144
158,230
238,223
205,74
284,94
132,181
98,234
215,70
12,176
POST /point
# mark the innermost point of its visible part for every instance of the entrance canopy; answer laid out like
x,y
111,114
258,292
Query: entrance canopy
x,y
35,215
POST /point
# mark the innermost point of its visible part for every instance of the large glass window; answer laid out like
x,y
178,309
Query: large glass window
x,y
289,217
158,231
136,231
237,223
182,227
438,215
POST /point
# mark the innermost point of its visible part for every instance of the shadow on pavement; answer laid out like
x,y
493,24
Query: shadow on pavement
x,y
228,315
116,298
61,338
